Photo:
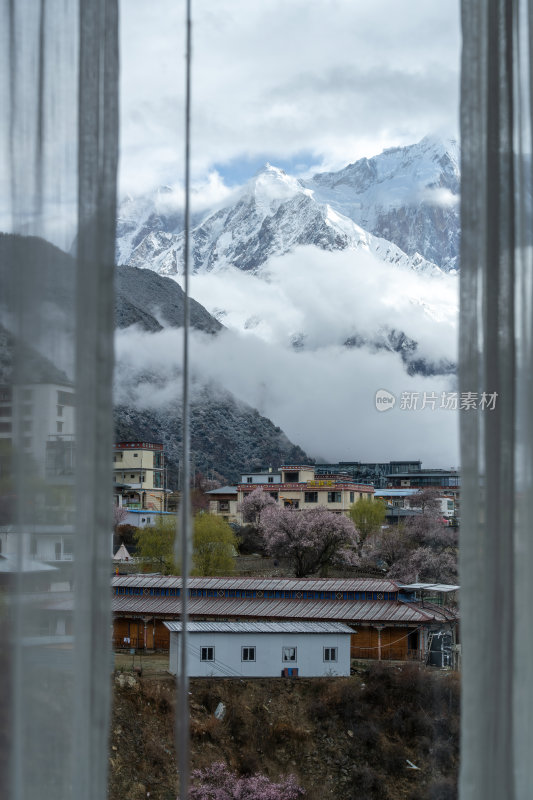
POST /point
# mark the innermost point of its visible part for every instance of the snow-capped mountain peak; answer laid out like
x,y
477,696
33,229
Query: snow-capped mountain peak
x,y
408,195
271,185
274,214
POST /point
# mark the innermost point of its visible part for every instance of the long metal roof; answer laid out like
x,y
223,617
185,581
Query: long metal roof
x,y
260,627
368,612
261,584
433,587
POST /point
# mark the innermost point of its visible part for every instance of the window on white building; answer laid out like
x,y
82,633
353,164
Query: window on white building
x,y
247,653
330,654
207,654
311,497
288,654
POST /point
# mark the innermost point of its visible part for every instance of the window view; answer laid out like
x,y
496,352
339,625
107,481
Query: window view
x,y
324,474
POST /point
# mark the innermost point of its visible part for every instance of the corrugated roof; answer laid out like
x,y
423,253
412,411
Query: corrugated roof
x,y
224,490
260,627
434,587
262,584
353,612
395,492
148,511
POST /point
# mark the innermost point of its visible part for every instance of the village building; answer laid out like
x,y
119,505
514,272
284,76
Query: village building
x,y
298,487
375,472
139,475
223,503
40,417
262,649
448,480
144,518
388,621
398,500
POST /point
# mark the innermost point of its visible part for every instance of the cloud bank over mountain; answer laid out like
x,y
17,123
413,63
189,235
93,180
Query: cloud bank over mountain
x,y
322,399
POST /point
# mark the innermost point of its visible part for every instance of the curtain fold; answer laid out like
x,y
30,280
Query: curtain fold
x,y
495,356
59,138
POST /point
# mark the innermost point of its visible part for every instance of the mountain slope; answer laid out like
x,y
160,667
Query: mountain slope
x,y
408,195
139,216
274,214
227,436
142,297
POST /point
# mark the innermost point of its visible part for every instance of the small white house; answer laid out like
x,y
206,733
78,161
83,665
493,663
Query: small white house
x,y
262,649
146,518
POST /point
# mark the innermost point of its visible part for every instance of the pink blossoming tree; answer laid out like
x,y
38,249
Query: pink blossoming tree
x,y
424,549
218,783
253,506
312,539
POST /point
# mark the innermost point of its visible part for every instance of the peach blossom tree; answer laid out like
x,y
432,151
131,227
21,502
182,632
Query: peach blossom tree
x,y
217,782
312,539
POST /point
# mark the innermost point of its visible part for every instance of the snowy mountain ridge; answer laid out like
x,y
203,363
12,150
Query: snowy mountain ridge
x,y
408,195
274,214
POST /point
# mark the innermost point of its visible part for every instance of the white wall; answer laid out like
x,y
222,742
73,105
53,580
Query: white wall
x,y
261,478
43,543
268,664
147,518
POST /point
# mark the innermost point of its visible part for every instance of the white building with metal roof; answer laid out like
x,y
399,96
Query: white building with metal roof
x,y
262,649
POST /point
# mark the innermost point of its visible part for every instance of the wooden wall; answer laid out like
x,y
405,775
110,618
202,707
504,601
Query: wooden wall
x,y
157,635
396,644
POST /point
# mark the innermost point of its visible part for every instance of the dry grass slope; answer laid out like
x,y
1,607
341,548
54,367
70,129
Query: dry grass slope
x,y
342,738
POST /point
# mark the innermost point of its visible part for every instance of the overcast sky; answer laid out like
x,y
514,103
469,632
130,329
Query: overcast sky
x,y
304,84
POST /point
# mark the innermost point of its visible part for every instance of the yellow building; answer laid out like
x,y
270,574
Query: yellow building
x,y
298,487
139,470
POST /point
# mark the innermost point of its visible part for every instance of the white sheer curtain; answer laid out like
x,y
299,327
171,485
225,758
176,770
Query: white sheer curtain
x,y
496,356
59,92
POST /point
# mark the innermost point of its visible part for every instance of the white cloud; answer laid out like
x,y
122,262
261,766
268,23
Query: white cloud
x,y
330,296
323,400
323,395
338,80
440,196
